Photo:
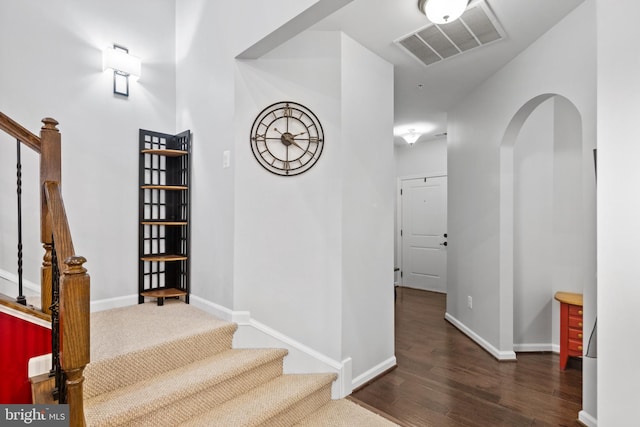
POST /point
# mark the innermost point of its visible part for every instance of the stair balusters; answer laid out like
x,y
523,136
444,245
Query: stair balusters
x,y
21,299
59,393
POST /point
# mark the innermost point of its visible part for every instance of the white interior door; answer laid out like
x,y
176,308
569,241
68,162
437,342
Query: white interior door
x,y
423,233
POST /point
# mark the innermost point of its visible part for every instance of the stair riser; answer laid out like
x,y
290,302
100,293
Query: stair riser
x,y
300,409
102,376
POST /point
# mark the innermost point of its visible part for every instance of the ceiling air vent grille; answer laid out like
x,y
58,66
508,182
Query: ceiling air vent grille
x,y
433,43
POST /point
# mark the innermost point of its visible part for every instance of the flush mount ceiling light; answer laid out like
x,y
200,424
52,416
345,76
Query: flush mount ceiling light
x,y
442,11
117,58
411,137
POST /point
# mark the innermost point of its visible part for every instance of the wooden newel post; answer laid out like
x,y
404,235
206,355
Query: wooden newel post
x,y
74,327
50,170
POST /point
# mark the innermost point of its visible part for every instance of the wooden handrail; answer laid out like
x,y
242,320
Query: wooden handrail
x,y
26,309
74,304
60,224
74,283
14,129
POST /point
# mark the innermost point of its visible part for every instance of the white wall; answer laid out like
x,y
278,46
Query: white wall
x,y
618,211
52,66
367,210
312,258
561,62
271,245
533,231
288,229
32,248
547,227
208,38
424,158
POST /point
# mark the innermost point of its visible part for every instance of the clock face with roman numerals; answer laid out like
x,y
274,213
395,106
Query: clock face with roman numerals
x,y
287,138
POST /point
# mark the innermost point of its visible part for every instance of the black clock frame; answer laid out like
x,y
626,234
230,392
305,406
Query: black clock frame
x,y
287,110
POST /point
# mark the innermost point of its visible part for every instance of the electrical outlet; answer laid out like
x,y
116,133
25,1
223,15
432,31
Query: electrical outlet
x,y
469,302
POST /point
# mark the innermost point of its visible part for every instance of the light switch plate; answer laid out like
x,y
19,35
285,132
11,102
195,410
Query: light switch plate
x,y
226,159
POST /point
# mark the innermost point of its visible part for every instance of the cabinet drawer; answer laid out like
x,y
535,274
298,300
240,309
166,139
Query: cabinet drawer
x,y
575,346
575,310
575,322
575,334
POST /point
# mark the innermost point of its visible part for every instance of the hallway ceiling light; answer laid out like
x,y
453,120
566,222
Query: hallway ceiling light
x,y
411,137
442,11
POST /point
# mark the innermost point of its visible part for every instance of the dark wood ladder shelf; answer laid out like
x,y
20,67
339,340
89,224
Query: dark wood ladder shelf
x,y
163,215
164,187
163,258
163,222
165,152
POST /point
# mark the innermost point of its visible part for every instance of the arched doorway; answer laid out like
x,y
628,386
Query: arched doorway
x,y
540,226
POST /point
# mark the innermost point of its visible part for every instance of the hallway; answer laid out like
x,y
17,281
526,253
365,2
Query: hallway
x,y
445,379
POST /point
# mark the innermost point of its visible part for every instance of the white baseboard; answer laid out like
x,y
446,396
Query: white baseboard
x,y
109,303
587,419
498,354
374,372
34,289
251,334
301,358
545,347
224,313
11,288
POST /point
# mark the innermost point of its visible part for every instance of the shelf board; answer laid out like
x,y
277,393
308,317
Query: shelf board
x,y
168,153
160,258
163,293
162,222
164,187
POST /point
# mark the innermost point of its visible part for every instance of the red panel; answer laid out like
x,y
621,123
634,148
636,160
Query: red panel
x,y
19,341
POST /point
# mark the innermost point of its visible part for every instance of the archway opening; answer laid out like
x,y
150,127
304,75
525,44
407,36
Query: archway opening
x,y
541,229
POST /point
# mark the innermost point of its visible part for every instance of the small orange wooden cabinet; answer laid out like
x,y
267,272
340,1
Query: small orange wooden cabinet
x,y
570,326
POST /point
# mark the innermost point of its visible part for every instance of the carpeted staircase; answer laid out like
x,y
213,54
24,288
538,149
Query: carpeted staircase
x,y
175,366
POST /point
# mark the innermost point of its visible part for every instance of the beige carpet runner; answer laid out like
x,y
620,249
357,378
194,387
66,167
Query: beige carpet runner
x,y
175,366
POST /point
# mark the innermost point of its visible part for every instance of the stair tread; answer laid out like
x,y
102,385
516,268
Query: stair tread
x,y
122,370
343,413
262,403
134,328
180,383
174,365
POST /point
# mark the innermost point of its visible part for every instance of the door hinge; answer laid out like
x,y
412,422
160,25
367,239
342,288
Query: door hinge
x,y
401,274
401,192
400,233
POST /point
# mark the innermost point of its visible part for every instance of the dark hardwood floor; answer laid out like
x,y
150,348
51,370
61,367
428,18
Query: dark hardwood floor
x,y
444,379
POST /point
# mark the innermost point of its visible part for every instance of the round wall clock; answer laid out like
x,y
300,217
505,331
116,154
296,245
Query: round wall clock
x,y
287,138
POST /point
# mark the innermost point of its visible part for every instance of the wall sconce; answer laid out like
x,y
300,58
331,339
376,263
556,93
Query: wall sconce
x,y
411,137
442,11
123,65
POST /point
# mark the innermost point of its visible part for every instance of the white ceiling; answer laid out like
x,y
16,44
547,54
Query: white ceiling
x,y
377,23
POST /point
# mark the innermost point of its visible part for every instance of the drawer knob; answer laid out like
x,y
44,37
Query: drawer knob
x,y
579,347
580,324
579,335
580,312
